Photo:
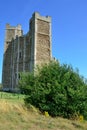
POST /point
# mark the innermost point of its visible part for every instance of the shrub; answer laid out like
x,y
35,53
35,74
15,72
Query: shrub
x,y
57,89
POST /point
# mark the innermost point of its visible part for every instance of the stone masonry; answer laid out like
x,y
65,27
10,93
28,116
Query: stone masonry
x,y
23,52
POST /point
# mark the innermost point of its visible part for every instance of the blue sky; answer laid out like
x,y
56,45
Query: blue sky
x,y
69,27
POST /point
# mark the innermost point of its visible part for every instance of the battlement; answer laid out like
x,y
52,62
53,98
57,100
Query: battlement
x,y
38,16
18,27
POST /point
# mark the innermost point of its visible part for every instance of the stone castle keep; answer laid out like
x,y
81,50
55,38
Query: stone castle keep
x,y
23,52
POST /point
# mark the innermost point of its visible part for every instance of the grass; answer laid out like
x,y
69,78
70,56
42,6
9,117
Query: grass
x,y
15,116
6,95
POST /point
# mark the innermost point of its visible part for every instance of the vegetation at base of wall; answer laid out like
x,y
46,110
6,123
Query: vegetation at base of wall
x,y
57,89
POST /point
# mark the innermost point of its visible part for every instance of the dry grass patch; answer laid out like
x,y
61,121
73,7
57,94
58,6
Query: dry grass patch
x,y
15,116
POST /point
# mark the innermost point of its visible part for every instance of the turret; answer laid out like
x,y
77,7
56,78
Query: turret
x,y
11,33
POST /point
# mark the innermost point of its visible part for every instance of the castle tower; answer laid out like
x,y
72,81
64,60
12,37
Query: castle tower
x,y
10,33
41,38
23,52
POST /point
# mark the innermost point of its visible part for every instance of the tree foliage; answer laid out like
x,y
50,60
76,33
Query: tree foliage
x,y
57,89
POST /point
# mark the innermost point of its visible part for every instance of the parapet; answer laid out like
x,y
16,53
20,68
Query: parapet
x,y
18,27
38,16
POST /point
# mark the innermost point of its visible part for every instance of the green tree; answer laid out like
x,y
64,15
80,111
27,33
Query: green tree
x,y
57,89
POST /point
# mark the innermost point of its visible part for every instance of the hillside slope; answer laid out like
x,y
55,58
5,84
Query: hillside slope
x,y
15,116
